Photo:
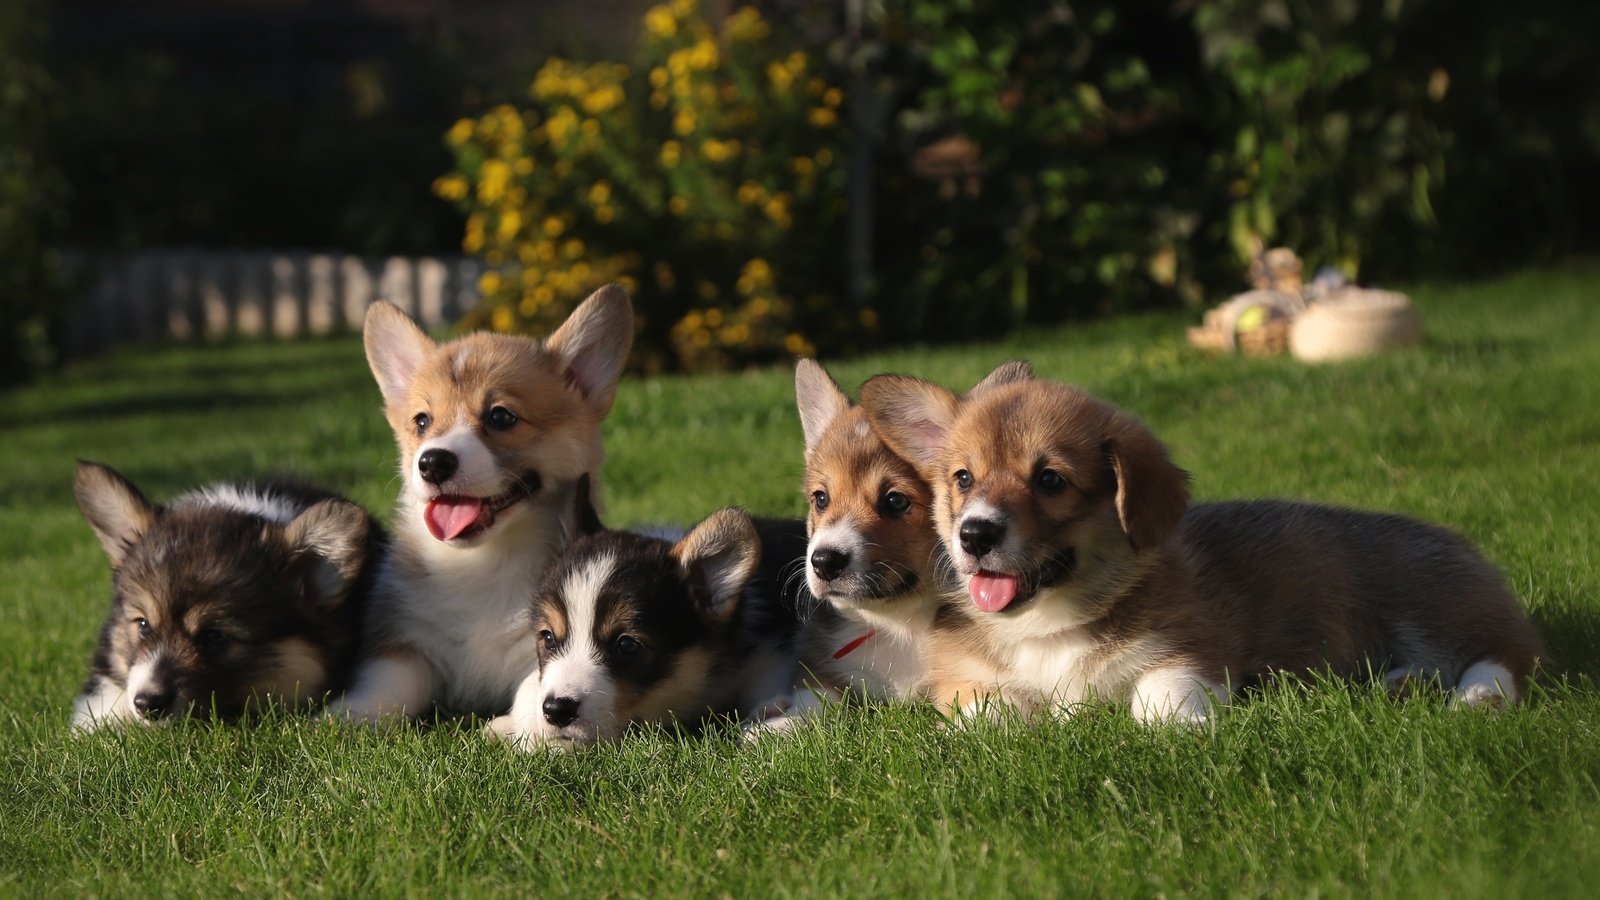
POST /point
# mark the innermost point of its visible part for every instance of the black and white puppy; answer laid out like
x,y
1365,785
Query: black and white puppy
x,y
228,595
633,629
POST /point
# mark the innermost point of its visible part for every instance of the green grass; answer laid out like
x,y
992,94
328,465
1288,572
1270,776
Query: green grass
x,y
1492,428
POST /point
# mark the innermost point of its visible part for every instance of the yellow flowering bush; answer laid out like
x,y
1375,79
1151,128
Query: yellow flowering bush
x,y
704,178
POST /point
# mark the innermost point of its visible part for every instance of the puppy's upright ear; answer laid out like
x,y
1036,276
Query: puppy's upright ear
x,y
718,557
396,348
333,536
1152,492
593,345
113,507
1006,373
819,398
912,416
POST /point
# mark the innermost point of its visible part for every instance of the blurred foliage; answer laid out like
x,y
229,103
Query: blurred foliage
x,y
30,189
682,177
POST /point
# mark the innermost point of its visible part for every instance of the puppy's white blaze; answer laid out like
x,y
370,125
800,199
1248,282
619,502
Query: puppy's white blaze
x,y
245,499
1486,683
578,671
1175,695
477,472
104,704
387,686
142,676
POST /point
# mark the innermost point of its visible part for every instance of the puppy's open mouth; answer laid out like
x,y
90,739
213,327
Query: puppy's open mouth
x,y
996,591
451,516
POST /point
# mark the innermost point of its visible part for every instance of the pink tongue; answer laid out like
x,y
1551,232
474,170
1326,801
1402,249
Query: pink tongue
x,y
991,592
449,516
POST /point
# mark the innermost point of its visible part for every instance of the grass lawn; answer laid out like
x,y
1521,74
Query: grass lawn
x,y
1492,428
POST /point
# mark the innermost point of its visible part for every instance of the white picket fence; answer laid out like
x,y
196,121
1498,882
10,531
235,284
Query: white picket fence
x,y
191,294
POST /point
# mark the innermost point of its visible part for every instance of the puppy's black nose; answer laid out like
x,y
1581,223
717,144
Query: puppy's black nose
x,y
979,536
152,704
560,711
828,563
436,466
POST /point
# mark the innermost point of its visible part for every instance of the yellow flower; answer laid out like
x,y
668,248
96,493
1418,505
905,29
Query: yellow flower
x,y
719,151
489,283
527,307
678,205
671,151
510,224
473,241
572,248
780,76
751,193
504,319
832,97
460,132
602,100
493,176
798,345
683,122
659,21
544,295
545,252
553,226
822,117
713,316
704,55
658,78
803,165
450,187
603,214
523,165
758,269
629,283
746,25
600,192
824,157
777,208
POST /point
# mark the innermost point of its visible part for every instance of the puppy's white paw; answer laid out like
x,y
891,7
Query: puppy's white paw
x,y
1486,685
1175,696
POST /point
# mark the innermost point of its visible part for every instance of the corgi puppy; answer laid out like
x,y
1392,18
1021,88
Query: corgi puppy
x,y
874,559
228,595
1087,573
632,629
494,432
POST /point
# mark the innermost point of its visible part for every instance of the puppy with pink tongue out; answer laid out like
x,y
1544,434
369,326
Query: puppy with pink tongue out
x,y
494,433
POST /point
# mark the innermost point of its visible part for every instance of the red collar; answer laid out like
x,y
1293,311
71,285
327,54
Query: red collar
x,y
854,645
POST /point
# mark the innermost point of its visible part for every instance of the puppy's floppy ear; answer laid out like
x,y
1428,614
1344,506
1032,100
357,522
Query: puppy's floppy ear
x,y
1152,492
719,556
333,535
912,416
1005,373
819,398
593,344
588,518
113,507
396,348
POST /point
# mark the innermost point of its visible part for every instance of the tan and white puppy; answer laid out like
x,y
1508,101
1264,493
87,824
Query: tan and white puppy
x,y
874,558
494,432
1088,574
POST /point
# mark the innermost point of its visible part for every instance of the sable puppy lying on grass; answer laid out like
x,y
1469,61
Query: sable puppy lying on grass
x,y
1089,574
228,595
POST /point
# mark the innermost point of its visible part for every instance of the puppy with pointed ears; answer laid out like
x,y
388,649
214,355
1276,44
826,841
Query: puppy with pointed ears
x,y
874,559
1089,574
636,630
494,432
230,595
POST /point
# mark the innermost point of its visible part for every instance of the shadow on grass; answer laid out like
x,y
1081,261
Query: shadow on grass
x,y
1571,639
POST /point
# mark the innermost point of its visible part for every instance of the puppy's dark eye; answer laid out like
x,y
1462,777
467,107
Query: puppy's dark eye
x,y
963,480
894,504
819,499
1050,481
500,418
143,625
422,421
547,640
211,639
628,645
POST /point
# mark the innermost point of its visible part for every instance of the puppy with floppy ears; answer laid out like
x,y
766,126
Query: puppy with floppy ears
x,y
874,558
1089,574
494,432
229,595
637,630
